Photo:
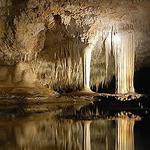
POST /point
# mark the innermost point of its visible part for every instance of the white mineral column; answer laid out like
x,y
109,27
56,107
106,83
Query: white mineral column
x,y
86,68
124,62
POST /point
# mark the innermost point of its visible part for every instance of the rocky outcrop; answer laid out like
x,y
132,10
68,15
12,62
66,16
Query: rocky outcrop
x,y
19,75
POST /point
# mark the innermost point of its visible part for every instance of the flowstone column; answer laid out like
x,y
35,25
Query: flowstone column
x,y
124,62
86,62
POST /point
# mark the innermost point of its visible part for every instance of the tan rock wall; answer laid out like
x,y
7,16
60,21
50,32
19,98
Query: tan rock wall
x,y
19,75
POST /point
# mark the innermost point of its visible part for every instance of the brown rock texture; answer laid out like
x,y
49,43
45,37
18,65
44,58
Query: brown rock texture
x,y
48,38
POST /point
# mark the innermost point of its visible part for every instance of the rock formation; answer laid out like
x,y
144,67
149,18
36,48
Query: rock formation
x,y
73,44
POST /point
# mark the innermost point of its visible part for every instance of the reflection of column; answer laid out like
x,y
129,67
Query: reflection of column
x,y
86,135
125,134
25,134
86,60
124,62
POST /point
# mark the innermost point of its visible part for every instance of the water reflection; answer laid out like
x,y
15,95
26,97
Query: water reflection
x,y
125,134
86,135
46,132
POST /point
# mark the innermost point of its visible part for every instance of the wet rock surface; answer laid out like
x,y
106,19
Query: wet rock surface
x,y
75,107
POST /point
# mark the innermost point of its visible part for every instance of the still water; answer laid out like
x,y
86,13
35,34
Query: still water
x,y
45,131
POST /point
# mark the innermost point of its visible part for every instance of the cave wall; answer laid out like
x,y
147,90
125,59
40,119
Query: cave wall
x,y
50,36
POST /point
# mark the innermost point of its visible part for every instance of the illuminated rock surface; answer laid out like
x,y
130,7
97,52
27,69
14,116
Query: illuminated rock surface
x,y
68,46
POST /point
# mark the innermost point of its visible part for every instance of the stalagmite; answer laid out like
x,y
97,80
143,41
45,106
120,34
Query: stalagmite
x,y
124,51
86,135
125,134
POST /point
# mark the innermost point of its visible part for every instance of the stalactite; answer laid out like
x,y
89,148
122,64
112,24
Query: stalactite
x,y
108,48
121,44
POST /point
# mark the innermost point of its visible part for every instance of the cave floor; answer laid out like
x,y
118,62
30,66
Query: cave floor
x,y
74,106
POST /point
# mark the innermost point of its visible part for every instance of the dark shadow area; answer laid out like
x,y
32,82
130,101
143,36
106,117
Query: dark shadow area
x,y
109,107
18,6
142,80
142,129
58,39
108,88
